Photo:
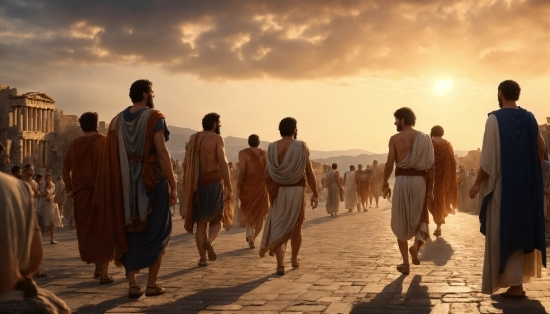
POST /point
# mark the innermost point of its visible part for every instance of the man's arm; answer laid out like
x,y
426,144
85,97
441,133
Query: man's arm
x,y
481,176
541,147
165,164
311,181
337,178
224,167
388,168
242,171
430,183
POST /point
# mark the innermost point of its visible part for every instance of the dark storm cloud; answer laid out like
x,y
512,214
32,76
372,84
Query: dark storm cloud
x,y
243,39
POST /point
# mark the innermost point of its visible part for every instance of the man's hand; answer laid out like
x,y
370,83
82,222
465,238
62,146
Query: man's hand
x,y
173,197
314,201
474,190
387,193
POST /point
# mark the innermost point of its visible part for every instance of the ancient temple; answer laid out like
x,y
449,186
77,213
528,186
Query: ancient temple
x,y
34,130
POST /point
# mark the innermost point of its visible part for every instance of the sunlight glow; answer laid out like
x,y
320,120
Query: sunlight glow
x,y
442,87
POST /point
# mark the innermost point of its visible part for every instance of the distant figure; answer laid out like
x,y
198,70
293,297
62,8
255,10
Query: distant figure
x,y
376,182
136,187
413,155
233,176
445,187
288,166
17,172
366,185
358,174
350,189
473,204
60,195
335,191
252,189
510,184
21,253
462,183
208,186
79,171
4,159
51,219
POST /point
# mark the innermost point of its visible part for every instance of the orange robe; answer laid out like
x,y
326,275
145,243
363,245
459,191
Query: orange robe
x,y
445,188
253,194
79,173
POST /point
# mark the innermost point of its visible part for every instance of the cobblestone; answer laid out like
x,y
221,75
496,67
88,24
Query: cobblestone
x,y
347,265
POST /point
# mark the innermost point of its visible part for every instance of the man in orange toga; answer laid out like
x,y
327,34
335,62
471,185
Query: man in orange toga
x,y
445,186
251,188
79,174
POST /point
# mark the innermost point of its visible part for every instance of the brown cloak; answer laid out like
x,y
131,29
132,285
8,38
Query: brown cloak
x,y
253,193
445,186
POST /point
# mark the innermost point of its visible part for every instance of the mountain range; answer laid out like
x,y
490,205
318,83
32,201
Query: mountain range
x,y
179,136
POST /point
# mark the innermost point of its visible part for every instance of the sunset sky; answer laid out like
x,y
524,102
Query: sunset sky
x,y
341,68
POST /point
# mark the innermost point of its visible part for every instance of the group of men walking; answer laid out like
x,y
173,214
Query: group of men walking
x,y
123,186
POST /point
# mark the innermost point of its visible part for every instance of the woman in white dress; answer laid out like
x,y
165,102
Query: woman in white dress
x,y
49,210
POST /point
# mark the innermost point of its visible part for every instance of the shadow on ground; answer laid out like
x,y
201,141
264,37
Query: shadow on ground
x,y
509,306
391,298
438,251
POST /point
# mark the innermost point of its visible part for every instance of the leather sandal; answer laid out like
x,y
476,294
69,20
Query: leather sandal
x,y
210,250
106,280
202,262
280,270
414,255
134,291
296,263
154,291
404,269
250,241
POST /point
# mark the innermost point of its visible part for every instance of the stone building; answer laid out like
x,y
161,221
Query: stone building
x,y
34,130
545,131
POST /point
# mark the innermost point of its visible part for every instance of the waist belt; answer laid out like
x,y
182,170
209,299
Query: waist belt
x,y
411,172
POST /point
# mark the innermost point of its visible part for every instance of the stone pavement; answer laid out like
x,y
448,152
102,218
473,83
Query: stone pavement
x,y
347,265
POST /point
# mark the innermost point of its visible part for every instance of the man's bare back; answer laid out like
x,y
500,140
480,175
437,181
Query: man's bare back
x,y
282,148
403,143
256,151
209,151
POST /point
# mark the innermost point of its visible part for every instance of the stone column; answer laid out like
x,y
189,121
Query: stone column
x,y
51,120
25,118
15,119
31,119
41,119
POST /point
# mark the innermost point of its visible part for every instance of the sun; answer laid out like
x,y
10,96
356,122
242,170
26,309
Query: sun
x,y
442,87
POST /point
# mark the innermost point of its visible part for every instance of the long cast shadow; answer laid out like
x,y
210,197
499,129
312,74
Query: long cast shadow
x,y
382,299
525,305
438,251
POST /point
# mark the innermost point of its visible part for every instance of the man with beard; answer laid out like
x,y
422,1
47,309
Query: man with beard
x,y
413,155
135,188
17,172
79,171
350,189
288,166
445,186
251,188
376,182
510,185
206,181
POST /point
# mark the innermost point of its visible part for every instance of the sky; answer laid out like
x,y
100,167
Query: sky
x,y
341,68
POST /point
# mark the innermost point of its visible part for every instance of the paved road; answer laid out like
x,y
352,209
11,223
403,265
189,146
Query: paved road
x,y
347,265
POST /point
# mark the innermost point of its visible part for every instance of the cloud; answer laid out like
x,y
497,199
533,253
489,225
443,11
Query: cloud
x,y
289,40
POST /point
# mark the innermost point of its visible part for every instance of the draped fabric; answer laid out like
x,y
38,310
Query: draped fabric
x,y
350,190
191,184
253,194
445,186
109,196
409,194
79,171
333,196
287,194
513,252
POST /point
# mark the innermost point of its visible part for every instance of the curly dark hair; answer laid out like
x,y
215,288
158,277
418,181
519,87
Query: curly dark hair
x,y
88,121
287,126
406,114
138,88
254,140
437,131
209,120
510,90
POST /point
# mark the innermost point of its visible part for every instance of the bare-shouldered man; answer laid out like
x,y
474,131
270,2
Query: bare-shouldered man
x,y
206,189
413,155
288,166
251,188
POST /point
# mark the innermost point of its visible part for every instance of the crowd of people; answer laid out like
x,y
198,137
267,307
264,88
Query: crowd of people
x,y
127,181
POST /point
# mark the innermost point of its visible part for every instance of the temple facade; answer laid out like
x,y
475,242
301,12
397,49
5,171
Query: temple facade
x,y
34,131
